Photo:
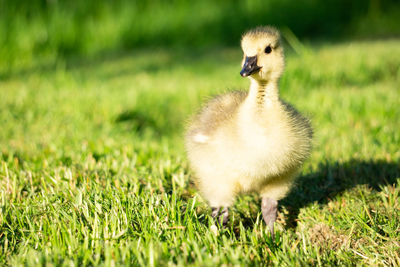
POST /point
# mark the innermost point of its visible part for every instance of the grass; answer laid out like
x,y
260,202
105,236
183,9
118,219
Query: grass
x,y
52,29
93,169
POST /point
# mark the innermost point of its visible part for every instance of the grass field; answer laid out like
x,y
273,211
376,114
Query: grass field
x,y
93,169
52,29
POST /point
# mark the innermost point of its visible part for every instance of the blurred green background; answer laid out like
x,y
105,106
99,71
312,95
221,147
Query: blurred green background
x,y
54,29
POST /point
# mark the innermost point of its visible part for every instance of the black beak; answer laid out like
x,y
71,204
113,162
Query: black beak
x,y
249,66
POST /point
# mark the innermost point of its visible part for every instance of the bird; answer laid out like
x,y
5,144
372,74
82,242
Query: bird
x,y
249,141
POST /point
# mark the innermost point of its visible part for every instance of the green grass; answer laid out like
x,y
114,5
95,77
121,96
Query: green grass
x,y
93,169
53,29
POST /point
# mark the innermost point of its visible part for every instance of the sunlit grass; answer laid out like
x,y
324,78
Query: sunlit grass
x,y
46,31
93,169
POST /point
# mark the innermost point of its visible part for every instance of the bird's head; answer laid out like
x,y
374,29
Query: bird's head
x,y
263,58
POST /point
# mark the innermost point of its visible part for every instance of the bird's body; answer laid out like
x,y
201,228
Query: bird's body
x,y
243,142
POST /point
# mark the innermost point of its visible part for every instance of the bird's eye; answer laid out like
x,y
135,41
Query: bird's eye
x,y
268,49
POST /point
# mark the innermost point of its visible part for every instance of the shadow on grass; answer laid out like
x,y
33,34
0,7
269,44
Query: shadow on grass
x,y
138,121
90,64
156,116
114,64
321,186
331,179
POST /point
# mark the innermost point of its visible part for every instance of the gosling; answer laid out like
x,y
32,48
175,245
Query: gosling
x,y
250,141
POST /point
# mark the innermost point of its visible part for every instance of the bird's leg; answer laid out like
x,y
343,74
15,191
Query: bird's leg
x,y
269,208
216,214
225,214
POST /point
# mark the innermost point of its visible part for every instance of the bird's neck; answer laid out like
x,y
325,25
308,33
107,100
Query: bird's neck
x,y
263,94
